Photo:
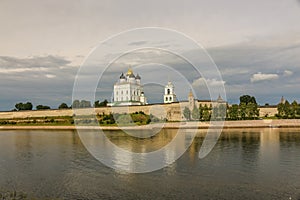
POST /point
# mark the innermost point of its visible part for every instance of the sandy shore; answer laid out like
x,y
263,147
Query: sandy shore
x,y
284,123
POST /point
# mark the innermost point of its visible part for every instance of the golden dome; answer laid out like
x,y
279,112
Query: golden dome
x,y
129,72
191,94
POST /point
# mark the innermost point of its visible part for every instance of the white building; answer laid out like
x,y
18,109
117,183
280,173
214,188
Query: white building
x,y
128,90
169,96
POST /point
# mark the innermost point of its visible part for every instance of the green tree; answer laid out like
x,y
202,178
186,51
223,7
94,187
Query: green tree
x,y
24,106
195,113
206,113
187,113
252,111
201,110
287,110
99,104
233,112
294,108
247,99
243,110
218,111
81,104
42,107
280,110
63,106
76,104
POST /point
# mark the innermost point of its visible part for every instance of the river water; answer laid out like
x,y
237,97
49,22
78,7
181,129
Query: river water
x,y
244,164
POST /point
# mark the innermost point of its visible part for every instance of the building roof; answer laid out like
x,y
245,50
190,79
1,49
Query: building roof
x,y
122,76
191,94
129,72
138,76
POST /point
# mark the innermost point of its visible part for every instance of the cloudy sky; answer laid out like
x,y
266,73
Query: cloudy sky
x,y
255,44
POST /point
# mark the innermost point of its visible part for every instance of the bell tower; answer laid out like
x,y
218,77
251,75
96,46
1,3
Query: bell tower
x,y
169,96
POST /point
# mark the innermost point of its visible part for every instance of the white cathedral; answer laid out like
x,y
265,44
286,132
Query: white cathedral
x,y
128,90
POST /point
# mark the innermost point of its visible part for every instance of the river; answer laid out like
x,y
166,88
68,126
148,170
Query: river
x,y
244,164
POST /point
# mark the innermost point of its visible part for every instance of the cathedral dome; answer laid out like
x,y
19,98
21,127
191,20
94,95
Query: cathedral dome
x,y
129,72
122,76
131,75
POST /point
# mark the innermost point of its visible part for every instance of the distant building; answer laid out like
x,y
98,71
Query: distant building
x,y
282,100
128,90
169,96
191,100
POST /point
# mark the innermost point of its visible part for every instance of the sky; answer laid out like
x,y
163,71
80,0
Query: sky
x,y
255,45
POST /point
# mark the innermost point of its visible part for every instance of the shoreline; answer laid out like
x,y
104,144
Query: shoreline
x,y
278,123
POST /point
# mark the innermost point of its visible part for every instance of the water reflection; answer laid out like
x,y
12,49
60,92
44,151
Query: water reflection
x,y
245,163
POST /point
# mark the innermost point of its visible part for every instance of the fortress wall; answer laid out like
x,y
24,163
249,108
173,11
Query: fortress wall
x,y
35,113
172,111
270,111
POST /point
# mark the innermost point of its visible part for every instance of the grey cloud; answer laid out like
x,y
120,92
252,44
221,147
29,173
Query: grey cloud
x,y
41,80
137,43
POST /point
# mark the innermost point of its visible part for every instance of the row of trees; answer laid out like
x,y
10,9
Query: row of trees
x,y
87,104
247,109
76,104
288,111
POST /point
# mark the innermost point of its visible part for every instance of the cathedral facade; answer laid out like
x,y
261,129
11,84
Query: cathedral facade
x,y
128,90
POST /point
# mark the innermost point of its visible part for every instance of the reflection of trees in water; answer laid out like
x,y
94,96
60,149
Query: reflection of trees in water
x,y
289,138
137,144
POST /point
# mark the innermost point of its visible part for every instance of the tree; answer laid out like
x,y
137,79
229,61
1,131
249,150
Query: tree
x,y
247,99
218,111
76,104
252,111
85,104
294,107
24,106
287,109
81,104
280,110
63,106
201,109
41,107
206,113
248,107
242,109
233,112
187,113
101,104
195,113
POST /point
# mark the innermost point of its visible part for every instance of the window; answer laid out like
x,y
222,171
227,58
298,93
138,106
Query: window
x,y
168,91
170,98
166,98
126,91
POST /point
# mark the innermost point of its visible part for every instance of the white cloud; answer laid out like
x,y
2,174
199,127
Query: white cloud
x,y
20,70
50,76
209,82
288,73
263,77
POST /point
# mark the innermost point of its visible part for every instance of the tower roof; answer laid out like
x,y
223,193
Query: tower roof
x,y
191,94
138,76
131,75
129,72
220,99
122,76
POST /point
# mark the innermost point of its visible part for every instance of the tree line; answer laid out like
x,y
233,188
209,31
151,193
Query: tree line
x,y
246,109
288,110
76,104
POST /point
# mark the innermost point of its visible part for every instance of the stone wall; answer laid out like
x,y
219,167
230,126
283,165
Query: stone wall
x,y
172,111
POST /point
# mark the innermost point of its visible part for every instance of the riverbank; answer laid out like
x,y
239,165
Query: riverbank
x,y
280,123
